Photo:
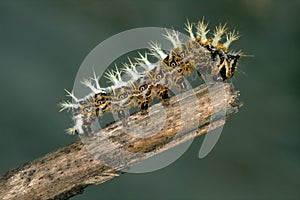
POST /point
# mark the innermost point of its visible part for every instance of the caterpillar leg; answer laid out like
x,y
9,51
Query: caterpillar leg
x,y
181,83
121,114
83,126
144,107
86,128
163,95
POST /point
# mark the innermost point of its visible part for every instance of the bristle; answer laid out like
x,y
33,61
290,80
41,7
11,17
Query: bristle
x,y
118,74
156,50
173,37
202,31
88,83
66,105
219,31
189,29
144,62
130,69
115,77
110,75
131,64
70,94
232,36
242,54
96,80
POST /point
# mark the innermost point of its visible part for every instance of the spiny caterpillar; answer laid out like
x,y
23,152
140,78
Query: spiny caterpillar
x,y
205,54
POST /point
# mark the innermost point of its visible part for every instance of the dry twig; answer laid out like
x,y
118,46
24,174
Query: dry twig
x,y
67,171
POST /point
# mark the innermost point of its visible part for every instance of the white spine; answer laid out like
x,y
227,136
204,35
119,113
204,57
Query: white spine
x,y
219,31
173,36
144,62
115,77
66,105
202,31
130,69
156,50
232,36
189,29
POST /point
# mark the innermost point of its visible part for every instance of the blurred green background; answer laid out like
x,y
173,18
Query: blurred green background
x,y
42,44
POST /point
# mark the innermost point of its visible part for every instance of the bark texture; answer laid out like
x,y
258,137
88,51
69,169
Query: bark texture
x,y
93,160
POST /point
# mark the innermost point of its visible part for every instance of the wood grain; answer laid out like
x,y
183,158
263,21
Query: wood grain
x,y
96,159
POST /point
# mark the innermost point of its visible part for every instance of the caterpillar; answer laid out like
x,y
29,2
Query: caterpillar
x,y
207,55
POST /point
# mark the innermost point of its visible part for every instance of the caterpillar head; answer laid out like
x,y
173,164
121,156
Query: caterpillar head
x,y
226,63
232,59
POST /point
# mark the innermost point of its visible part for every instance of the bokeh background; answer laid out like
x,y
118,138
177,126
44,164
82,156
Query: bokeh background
x,y
43,43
